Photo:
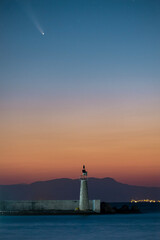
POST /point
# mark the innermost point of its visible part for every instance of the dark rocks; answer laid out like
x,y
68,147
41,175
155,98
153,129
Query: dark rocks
x,y
107,209
135,209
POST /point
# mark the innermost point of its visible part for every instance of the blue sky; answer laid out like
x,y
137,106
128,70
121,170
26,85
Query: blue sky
x,y
96,58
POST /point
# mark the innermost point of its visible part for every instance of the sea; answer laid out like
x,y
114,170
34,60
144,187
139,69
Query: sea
x,y
92,227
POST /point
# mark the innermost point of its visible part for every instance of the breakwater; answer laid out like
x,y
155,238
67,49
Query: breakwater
x,y
46,207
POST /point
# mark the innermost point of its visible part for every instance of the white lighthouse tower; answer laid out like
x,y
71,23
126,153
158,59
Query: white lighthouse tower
x,y
83,201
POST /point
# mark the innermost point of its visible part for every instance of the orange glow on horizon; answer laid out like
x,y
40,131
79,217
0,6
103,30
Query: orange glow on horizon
x,y
36,147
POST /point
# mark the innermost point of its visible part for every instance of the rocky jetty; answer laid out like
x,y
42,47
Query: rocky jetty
x,y
106,208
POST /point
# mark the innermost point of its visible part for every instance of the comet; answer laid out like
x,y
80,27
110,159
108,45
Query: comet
x,y
37,24
31,15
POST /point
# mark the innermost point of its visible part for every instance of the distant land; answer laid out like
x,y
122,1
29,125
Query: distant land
x,y
105,189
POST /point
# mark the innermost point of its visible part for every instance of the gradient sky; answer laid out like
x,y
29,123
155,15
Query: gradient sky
x,y
87,92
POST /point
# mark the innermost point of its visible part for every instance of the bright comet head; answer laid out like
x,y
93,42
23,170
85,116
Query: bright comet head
x,y
42,33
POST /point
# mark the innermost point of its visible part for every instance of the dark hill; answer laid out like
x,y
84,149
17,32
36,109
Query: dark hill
x,y
106,189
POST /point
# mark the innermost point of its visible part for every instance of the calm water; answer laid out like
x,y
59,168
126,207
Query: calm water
x,y
109,227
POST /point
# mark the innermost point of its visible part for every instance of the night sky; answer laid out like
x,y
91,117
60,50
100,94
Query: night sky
x,y
85,92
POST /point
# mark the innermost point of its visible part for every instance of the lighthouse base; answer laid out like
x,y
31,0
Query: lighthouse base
x,y
84,201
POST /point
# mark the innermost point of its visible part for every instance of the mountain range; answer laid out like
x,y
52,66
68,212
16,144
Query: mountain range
x,y
105,189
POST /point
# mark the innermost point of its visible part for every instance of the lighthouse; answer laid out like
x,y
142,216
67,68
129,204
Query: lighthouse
x,y
83,201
